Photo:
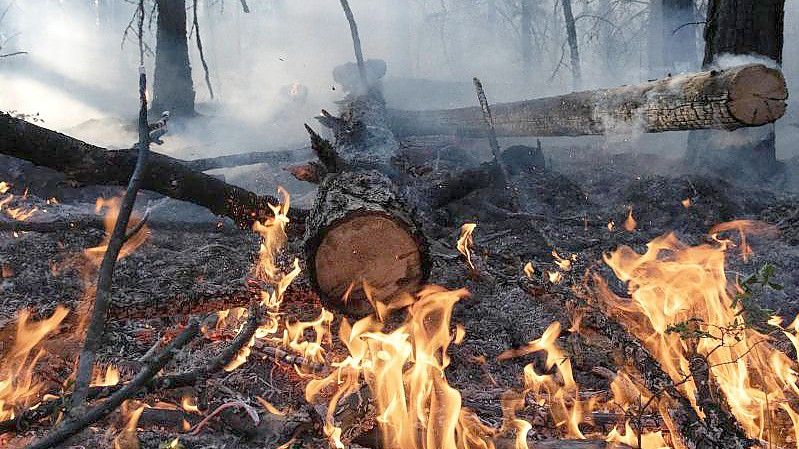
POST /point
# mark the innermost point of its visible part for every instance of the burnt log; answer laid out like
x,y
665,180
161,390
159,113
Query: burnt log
x,y
361,234
89,164
742,96
360,230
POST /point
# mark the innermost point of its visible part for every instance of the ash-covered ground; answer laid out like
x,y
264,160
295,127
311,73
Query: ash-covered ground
x,y
569,204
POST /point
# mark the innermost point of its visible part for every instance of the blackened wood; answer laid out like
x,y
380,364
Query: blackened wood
x,y
173,89
747,95
90,164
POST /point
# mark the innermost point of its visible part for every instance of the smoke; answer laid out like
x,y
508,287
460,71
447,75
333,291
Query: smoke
x,y
80,78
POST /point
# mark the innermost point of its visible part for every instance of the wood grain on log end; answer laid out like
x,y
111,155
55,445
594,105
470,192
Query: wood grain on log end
x,y
757,95
360,232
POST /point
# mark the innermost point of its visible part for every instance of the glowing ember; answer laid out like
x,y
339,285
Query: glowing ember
x,y
17,213
466,242
686,203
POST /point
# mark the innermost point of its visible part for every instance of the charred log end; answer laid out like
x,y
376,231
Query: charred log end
x,y
360,232
757,95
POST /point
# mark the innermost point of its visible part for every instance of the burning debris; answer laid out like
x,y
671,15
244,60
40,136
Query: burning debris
x,y
356,322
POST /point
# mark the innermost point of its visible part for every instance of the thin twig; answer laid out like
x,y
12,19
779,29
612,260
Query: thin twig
x,y
186,379
356,43
200,47
77,423
102,301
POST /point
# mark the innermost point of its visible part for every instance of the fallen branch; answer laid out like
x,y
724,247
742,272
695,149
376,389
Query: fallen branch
x,y
86,163
742,96
152,384
96,222
255,157
75,424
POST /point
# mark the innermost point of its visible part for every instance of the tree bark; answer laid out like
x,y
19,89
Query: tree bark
x,y
86,163
740,27
526,36
742,96
574,51
173,89
361,228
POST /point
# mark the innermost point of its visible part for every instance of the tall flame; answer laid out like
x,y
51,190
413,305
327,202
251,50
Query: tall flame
x,y
466,242
404,371
672,284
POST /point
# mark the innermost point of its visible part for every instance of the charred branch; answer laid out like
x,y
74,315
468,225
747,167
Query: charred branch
x,y
86,163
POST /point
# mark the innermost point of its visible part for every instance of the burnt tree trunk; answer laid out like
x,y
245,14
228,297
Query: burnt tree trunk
x,y
361,233
574,51
742,96
173,89
740,27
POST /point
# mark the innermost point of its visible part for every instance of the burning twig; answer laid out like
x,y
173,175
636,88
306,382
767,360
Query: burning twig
x,y
105,277
75,424
172,381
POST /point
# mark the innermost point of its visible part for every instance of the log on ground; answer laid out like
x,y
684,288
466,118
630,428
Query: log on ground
x,y
86,163
361,231
741,96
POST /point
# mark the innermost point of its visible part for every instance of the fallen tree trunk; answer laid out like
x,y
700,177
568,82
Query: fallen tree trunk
x,y
86,163
742,96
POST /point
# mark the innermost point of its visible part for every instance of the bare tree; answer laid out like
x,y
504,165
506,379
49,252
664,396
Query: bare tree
x,y
571,35
173,88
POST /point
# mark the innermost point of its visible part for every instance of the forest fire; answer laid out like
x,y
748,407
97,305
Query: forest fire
x,y
540,261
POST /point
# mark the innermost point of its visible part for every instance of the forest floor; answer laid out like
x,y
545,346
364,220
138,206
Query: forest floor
x,y
570,206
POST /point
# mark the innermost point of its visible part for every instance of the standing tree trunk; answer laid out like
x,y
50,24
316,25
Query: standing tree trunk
x,y
173,88
526,36
571,35
740,27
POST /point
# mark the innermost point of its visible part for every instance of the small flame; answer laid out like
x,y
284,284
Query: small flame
x,y
686,203
611,225
109,378
554,277
466,242
630,224
18,388
529,270
188,404
128,437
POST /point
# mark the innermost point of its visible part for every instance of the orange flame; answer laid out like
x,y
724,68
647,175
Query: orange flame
x,y
630,224
110,377
672,283
18,388
404,370
466,242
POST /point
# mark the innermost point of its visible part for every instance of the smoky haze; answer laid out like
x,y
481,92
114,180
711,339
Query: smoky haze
x,y
80,77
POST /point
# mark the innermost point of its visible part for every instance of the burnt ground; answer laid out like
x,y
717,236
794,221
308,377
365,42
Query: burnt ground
x,y
569,207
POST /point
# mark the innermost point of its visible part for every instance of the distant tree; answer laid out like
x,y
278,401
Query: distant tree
x,y
173,89
740,27
671,38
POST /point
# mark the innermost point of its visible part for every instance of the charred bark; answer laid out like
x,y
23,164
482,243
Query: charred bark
x,y
361,229
173,89
750,27
574,51
86,163
742,96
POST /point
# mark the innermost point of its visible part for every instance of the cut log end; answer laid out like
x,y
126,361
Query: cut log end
x,y
361,232
757,95
370,248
